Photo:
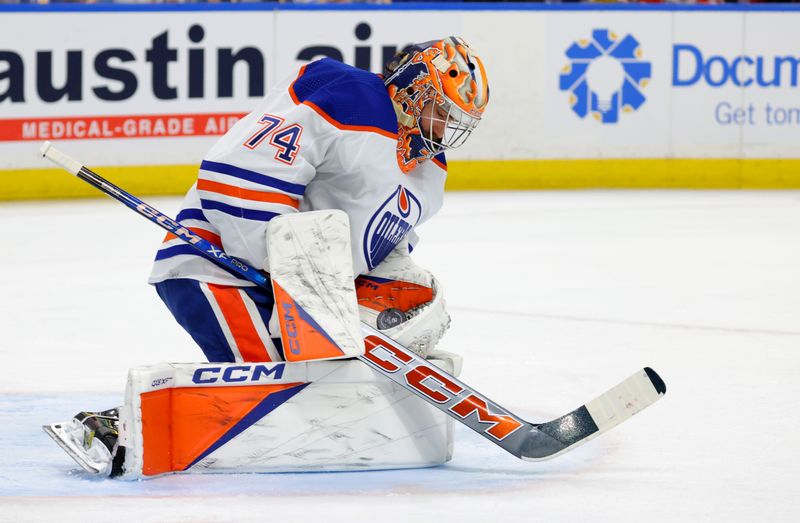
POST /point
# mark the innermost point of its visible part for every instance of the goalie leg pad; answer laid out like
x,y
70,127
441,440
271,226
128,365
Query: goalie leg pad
x,y
276,417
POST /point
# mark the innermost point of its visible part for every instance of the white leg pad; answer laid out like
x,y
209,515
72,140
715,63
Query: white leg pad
x,y
277,417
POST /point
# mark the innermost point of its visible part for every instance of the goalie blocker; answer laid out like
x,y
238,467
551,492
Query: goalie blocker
x,y
319,306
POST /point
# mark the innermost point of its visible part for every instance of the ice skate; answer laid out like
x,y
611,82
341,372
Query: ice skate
x,y
90,438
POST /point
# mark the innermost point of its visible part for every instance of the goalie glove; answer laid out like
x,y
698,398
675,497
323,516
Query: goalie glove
x,y
404,301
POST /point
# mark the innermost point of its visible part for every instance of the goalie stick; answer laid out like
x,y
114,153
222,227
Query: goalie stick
x,y
525,440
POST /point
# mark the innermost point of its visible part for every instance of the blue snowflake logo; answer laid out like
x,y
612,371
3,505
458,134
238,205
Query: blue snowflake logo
x,y
605,76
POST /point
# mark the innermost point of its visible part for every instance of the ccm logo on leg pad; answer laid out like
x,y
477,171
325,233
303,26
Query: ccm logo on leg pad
x,y
238,373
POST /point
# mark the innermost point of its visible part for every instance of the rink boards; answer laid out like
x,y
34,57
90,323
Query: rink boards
x,y
582,96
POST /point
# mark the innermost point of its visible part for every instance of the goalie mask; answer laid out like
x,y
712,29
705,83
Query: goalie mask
x,y
439,91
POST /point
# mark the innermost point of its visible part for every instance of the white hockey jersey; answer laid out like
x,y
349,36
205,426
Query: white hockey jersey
x,y
325,139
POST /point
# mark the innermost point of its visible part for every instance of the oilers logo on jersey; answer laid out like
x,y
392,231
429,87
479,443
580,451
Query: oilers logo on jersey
x,y
389,225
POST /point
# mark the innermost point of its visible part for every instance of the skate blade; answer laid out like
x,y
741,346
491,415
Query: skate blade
x,y
56,431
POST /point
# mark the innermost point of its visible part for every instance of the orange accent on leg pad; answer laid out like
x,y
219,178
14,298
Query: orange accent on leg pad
x,y
179,424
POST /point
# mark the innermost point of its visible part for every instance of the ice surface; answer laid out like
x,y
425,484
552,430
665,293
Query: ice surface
x,y
555,296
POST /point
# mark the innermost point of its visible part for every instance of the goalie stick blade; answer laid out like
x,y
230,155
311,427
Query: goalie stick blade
x,y
550,439
60,434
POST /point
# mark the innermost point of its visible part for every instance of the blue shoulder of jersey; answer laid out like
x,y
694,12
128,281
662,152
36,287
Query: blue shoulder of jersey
x,y
348,97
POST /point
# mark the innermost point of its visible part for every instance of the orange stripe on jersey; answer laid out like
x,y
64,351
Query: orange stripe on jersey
x,y
244,333
328,118
247,194
441,165
206,235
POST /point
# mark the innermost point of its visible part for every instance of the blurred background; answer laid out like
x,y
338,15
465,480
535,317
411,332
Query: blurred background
x,y
584,95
